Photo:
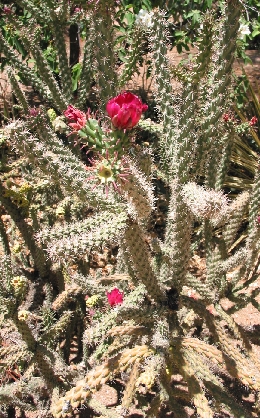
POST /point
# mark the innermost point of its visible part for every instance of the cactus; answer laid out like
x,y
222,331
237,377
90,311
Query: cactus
x,y
91,288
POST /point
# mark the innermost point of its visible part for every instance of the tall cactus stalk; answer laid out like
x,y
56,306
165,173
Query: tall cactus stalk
x,y
97,286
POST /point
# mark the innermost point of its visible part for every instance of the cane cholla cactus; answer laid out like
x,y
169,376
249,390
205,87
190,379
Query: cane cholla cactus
x,y
138,312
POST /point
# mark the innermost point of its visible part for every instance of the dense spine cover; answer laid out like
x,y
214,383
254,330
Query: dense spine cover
x,y
143,315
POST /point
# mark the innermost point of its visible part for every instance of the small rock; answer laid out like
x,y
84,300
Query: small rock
x,y
106,395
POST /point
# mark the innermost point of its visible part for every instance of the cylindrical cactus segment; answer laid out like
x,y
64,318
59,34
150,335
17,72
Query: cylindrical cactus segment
x,y
79,394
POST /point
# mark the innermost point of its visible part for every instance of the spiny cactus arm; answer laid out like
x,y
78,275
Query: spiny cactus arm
x,y
9,301
70,294
106,350
205,46
245,369
158,42
160,336
239,334
237,364
215,253
206,293
231,263
14,354
240,301
172,396
17,90
254,202
151,371
180,137
205,203
29,39
218,85
127,329
30,76
190,369
149,125
253,273
176,245
235,215
10,395
98,331
105,57
40,12
196,348
94,334
212,154
47,366
135,52
96,377
130,387
139,193
187,132
27,232
147,316
79,245
94,223
87,283
123,264
145,162
58,28
4,242
59,164
52,334
20,319
210,352
135,248
87,73
224,161
60,101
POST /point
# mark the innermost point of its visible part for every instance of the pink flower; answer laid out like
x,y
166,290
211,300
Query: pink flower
x,y
115,297
76,117
7,10
253,121
33,111
226,117
125,110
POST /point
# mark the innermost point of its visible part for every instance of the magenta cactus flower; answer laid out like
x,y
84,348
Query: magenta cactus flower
x,y
125,110
7,10
253,121
115,297
76,118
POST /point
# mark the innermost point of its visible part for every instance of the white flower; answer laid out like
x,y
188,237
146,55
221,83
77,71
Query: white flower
x,y
144,18
243,30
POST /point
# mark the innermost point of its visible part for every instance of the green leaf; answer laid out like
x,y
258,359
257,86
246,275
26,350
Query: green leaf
x,y
255,33
120,39
129,18
196,17
122,55
179,48
147,5
75,74
186,46
179,34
